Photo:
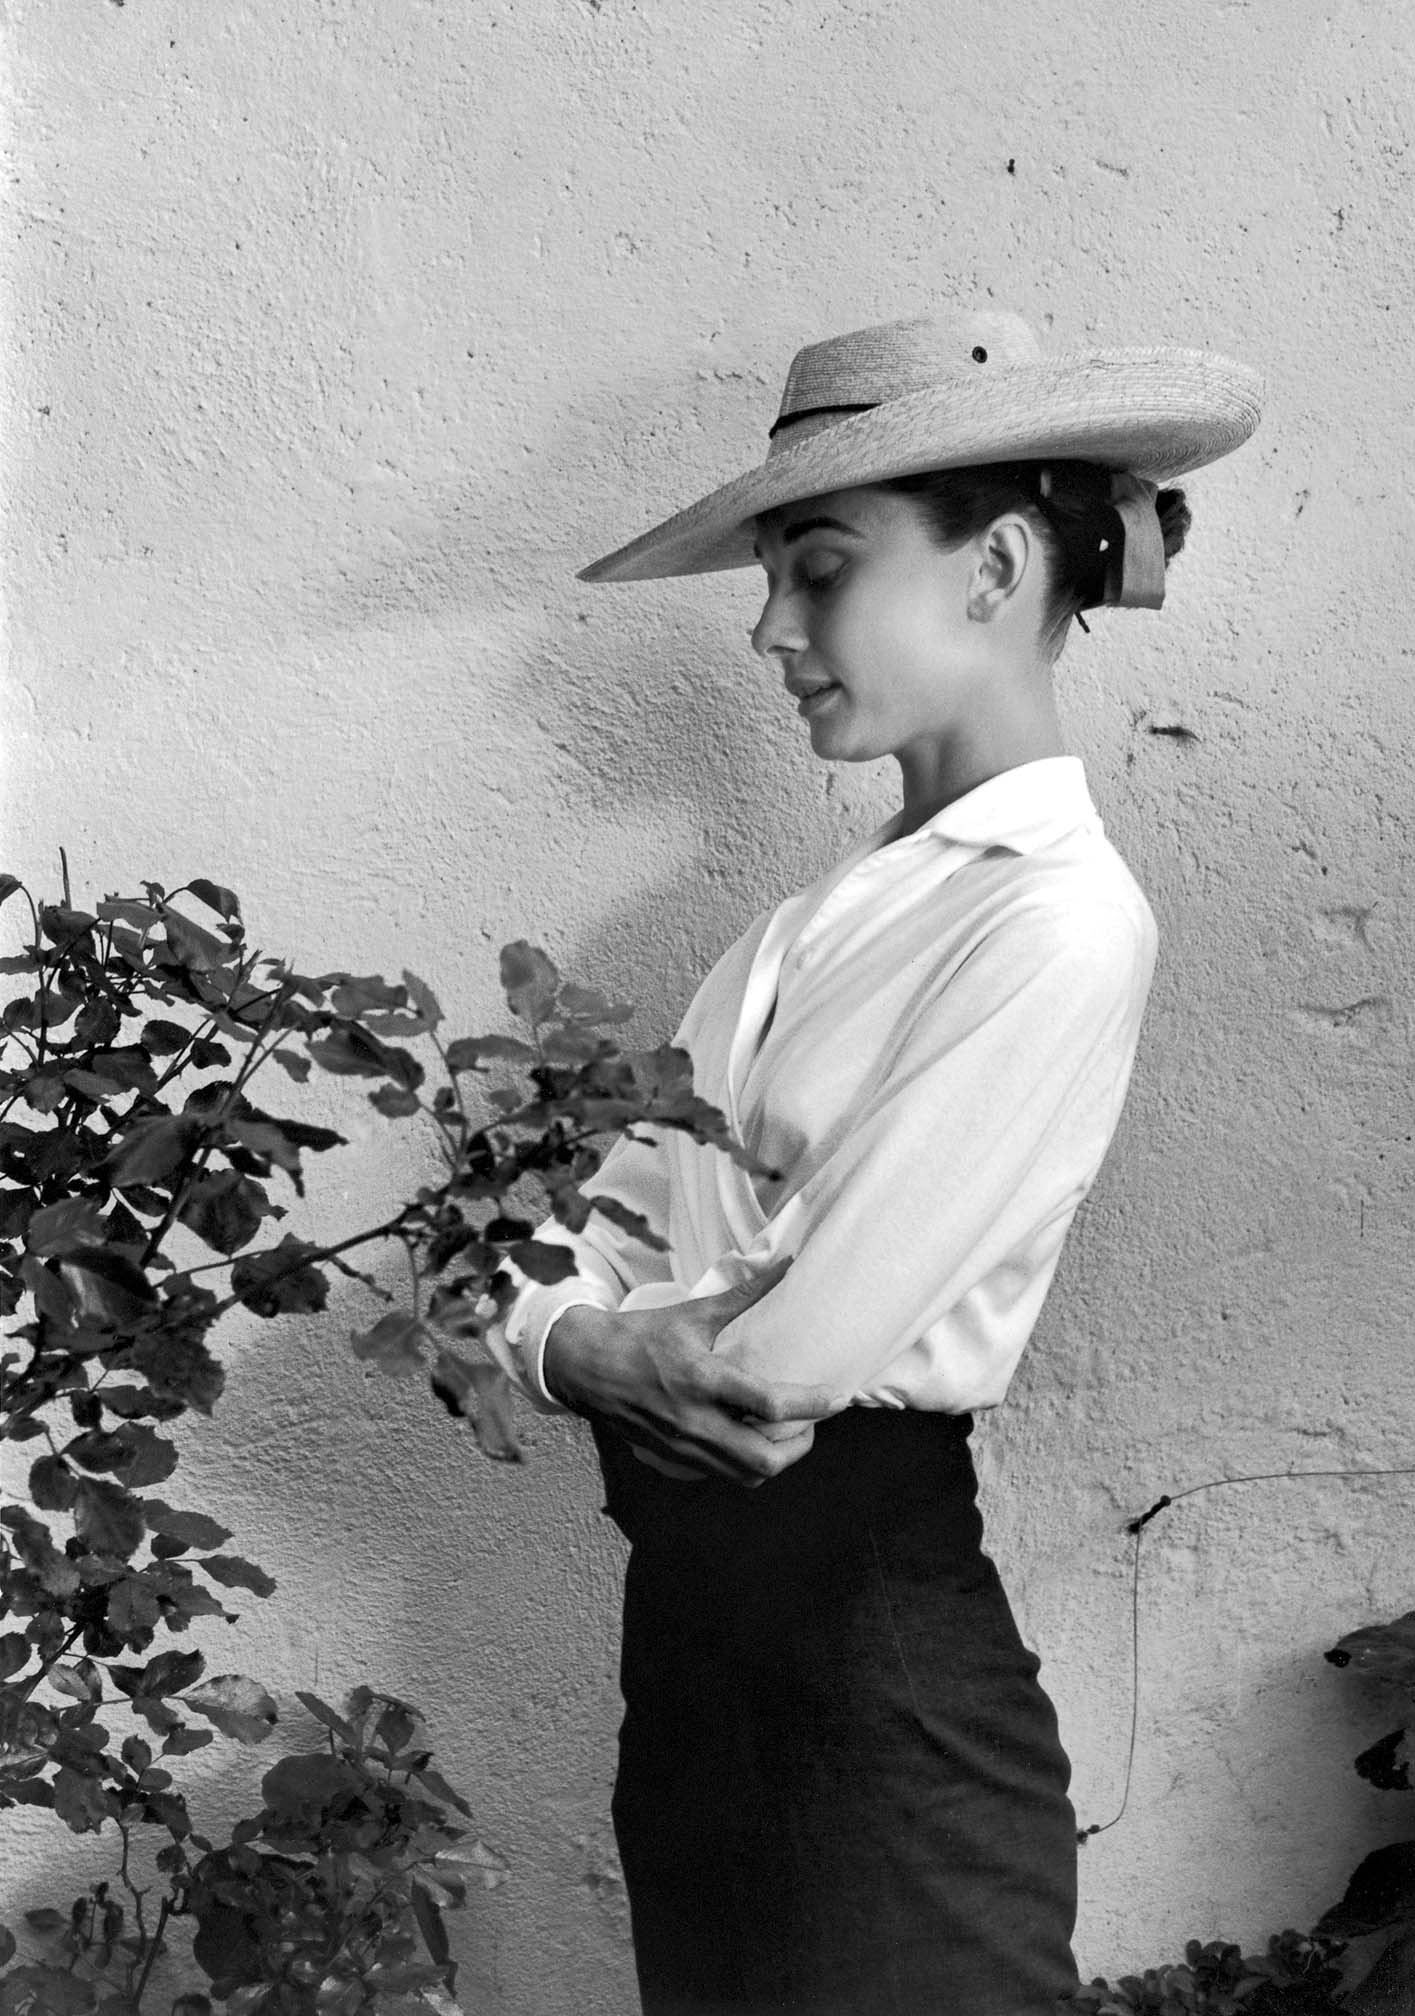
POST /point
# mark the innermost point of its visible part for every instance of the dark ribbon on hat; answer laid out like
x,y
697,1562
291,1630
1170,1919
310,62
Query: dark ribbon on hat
x,y
1126,563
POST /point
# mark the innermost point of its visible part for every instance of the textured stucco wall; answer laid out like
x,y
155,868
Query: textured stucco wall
x,y
339,336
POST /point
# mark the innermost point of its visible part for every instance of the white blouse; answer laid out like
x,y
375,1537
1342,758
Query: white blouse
x,y
931,1045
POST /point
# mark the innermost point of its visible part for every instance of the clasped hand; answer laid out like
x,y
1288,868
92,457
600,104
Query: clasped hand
x,y
688,1413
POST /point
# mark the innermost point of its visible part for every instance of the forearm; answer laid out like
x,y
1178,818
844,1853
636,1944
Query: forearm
x,y
576,1348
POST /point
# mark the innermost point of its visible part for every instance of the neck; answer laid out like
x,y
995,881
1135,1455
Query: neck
x,y
935,773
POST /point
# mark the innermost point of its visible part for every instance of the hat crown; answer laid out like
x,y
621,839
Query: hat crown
x,y
867,367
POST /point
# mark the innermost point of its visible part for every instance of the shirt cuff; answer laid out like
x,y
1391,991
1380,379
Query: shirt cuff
x,y
526,1329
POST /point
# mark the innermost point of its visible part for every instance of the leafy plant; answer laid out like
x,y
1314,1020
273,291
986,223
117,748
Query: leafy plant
x,y
1359,1959
139,1182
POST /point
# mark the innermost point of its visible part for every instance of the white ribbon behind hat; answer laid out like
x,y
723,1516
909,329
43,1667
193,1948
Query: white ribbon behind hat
x,y
1138,581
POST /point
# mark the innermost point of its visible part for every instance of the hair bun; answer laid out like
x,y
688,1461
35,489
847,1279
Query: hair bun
x,y
1175,519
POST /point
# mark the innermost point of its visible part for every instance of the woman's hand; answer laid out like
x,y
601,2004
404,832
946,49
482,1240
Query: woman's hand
x,y
689,1414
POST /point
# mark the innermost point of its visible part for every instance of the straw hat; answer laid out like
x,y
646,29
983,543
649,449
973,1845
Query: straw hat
x,y
945,392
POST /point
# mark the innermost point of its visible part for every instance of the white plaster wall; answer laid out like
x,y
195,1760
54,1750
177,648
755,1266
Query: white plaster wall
x,y
339,335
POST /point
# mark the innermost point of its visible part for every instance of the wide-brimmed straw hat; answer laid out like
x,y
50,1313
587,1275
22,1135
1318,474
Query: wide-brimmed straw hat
x,y
949,391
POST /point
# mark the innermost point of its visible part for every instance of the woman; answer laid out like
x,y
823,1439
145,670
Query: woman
x,y
840,1787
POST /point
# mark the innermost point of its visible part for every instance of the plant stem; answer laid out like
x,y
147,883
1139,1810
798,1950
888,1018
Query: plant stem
x,y
153,1950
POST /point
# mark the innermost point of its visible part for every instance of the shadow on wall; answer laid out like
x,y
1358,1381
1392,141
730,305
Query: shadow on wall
x,y
654,713
667,718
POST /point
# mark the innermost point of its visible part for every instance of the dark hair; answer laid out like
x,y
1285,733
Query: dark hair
x,y
1079,526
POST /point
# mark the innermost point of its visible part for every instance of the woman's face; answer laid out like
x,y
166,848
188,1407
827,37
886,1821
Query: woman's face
x,y
867,620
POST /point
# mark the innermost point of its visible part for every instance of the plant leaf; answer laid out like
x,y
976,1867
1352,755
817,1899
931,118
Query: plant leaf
x,y
108,1289
223,901
193,1529
394,1102
330,1717
192,947
239,1707
531,981
224,1209
393,1343
234,1573
107,1519
544,1260
149,1150
481,1393
58,1228
422,998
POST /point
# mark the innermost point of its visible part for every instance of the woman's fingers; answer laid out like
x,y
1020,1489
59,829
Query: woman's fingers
x,y
747,1393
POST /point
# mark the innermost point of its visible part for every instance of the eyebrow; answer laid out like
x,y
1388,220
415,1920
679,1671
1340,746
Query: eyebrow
x,y
802,526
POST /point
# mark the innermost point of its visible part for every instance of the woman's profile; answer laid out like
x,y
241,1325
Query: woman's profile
x,y
840,1788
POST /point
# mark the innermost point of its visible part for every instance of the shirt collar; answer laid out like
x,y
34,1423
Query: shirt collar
x,y
1023,809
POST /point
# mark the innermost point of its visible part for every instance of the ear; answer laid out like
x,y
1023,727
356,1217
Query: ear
x,y
1007,554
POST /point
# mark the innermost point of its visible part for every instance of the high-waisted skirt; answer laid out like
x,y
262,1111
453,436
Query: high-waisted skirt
x,y
840,1787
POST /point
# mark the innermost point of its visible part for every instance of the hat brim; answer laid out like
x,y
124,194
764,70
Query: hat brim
x,y
1156,413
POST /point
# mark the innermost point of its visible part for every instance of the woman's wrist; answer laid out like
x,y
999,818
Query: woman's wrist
x,y
569,1353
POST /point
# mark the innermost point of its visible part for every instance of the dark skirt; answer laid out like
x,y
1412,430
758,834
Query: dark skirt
x,y
840,1787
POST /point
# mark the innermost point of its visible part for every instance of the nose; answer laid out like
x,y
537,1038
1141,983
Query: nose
x,y
776,633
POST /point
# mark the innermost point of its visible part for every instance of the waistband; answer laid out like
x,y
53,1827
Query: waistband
x,y
881,1461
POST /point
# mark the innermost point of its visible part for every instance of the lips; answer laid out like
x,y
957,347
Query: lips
x,y
810,698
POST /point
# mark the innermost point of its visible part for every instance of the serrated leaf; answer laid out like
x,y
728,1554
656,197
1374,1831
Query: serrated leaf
x,y
107,1519
52,1484
225,1210
239,1707
150,1150
109,1290
58,1228
280,1281
192,947
234,1573
169,1673
81,1802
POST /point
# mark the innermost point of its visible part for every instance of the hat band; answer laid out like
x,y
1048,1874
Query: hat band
x,y
818,413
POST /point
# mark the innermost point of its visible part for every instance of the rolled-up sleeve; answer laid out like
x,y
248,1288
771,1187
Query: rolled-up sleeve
x,y
609,1262
984,1132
